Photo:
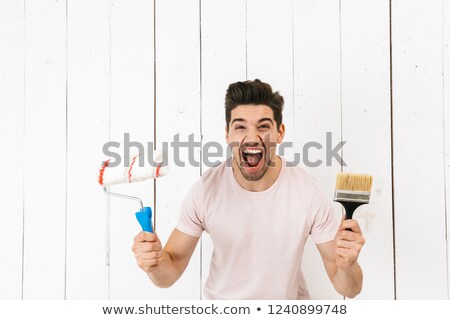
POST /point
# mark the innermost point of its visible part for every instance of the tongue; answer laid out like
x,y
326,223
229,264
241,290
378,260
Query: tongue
x,y
252,160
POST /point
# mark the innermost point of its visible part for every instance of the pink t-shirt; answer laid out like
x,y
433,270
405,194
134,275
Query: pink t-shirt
x,y
258,237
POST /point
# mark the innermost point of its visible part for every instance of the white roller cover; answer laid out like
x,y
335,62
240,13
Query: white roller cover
x,y
120,174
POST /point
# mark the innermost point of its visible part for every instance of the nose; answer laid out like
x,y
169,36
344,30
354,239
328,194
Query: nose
x,y
253,137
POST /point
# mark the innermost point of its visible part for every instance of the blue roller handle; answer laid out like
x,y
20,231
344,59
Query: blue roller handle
x,y
144,216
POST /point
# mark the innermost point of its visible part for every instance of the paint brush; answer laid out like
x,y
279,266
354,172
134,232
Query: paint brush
x,y
352,191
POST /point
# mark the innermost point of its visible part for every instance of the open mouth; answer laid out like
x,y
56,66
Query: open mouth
x,y
252,157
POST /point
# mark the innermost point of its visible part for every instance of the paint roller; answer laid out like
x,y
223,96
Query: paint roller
x,y
111,175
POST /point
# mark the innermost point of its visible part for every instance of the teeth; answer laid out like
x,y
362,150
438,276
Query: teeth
x,y
252,151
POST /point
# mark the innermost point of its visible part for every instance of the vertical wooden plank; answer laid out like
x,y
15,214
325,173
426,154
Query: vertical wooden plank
x,y
317,110
131,113
88,129
418,150
11,155
45,150
223,62
269,53
446,106
366,127
177,113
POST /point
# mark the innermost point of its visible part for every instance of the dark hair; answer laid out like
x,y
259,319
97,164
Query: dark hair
x,y
253,92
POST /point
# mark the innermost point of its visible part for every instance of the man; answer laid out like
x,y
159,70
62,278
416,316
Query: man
x,y
259,214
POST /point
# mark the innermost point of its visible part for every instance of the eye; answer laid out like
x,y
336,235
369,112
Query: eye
x,y
239,127
264,126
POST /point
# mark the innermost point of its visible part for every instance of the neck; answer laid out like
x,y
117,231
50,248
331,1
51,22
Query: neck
x,y
262,184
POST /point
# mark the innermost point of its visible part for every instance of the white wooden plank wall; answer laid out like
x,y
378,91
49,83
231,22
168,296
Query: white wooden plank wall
x,y
12,103
366,127
88,99
446,108
420,225
45,156
77,74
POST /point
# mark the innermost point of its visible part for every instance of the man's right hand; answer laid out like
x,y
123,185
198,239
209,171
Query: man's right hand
x,y
147,249
163,267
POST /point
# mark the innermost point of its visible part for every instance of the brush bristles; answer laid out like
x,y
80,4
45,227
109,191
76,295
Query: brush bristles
x,y
354,182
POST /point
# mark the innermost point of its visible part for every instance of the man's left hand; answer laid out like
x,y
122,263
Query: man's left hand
x,y
349,241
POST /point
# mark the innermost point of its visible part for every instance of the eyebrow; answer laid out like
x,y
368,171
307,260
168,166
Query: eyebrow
x,y
265,119
238,119
259,121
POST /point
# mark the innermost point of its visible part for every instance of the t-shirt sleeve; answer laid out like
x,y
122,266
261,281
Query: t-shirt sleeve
x,y
324,220
190,220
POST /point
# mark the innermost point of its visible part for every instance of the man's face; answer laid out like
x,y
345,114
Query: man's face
x,y
253,135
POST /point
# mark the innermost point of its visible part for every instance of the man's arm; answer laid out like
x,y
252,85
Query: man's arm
x,y
164,266
340,258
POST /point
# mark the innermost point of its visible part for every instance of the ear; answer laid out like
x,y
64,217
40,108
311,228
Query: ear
x,y
281,132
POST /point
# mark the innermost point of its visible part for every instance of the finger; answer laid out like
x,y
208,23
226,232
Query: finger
x,y
351,236
149,255
145,264
343,244
347,235
346,223
145,236
350,224
147,246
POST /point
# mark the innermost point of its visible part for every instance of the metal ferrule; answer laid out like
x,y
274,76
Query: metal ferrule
x,y
352,196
